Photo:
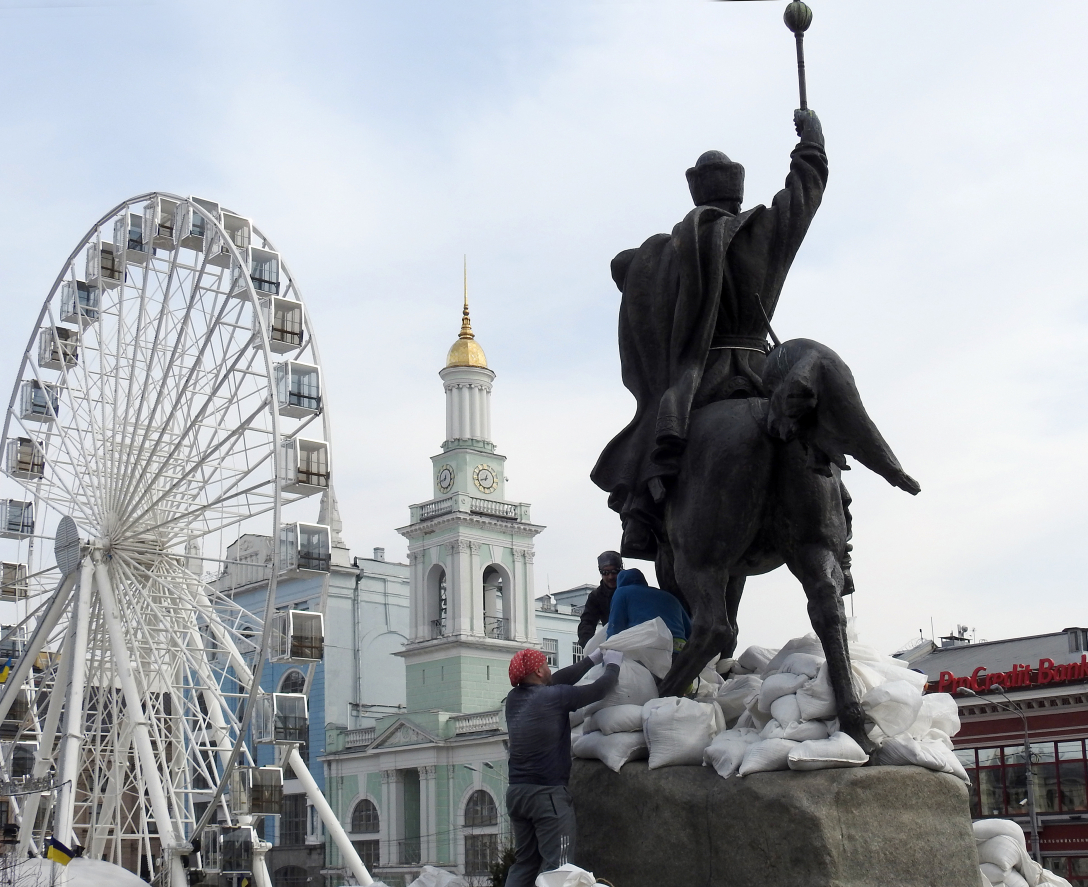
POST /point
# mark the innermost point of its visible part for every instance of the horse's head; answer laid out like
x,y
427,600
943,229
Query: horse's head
x,y
813,398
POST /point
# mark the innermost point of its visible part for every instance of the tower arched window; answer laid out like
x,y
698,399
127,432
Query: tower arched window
x,y
496,611
437,602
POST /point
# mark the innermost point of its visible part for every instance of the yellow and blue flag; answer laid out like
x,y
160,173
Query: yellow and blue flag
x,y
57,852
5,671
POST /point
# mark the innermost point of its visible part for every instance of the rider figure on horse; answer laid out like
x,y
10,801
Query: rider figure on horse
x,y
694,320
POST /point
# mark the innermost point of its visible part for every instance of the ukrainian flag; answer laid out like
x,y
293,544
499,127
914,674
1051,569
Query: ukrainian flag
x,y
57,852
5,671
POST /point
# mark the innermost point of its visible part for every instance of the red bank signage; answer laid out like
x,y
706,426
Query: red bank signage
x,y
981,679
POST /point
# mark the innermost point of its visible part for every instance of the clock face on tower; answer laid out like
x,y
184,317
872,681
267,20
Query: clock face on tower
x,y
485,479
445,478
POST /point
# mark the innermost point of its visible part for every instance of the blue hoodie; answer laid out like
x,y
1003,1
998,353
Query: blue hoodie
x,y
636,602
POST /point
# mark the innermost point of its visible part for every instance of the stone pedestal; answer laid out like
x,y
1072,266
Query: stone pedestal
x,y
688,827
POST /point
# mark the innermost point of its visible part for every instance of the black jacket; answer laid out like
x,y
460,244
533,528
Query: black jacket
x,y
595,612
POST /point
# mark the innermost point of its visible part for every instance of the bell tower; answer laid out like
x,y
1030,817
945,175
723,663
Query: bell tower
x,y
470,553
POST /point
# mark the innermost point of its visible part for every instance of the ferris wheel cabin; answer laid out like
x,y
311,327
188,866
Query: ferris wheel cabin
x,y
256,791
304,547
104,265
58,348
79,303
298,389
160,216
16,519
305,466
128,231
283,319
13,584
298,636
39,401
25,459
280,719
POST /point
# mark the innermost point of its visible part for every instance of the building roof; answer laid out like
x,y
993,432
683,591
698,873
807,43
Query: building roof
x,y
466,351
963,658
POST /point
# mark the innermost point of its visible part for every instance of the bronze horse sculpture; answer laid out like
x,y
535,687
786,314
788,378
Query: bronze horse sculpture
x,y
758,487
730,466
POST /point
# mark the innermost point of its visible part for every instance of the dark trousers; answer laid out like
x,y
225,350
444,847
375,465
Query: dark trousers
x,y
542,818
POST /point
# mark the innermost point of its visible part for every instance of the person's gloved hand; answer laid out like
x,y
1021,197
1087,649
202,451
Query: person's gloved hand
x,y
596,656
613,657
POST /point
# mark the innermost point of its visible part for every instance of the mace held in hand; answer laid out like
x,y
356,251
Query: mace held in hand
x,y
798,17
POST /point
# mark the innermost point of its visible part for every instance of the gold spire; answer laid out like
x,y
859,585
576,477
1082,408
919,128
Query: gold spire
x,y
466,351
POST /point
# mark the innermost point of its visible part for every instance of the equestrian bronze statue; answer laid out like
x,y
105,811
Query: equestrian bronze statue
x,y
731,465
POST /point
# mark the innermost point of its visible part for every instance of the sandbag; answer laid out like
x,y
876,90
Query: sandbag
x,y
893,706
785,709
734,694
778,685
1049,879
649,643
864,677
598,638
726,750
838,750
725,667
613,751
892,671
617,719
568,875
767,755
802,730
430,876
636,686
1001,850
905,750
576,718
772,730
1013,878
993,874
1030,870
755,659
816,699
679,730
940,712
984,829
807,646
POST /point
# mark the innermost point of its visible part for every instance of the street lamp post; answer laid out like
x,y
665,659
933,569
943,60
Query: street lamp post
x,y
1029,779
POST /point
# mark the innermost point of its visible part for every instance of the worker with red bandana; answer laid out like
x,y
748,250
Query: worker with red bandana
x,y
538,722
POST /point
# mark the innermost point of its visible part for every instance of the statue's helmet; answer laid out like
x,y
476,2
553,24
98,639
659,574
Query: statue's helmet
x,y
716,177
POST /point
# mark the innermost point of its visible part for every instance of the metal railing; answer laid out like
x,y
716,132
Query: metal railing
x,y
496,627
504,510
359,738
436,509
480,722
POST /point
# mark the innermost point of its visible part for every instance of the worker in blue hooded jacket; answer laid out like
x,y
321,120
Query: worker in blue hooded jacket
x,y
636,602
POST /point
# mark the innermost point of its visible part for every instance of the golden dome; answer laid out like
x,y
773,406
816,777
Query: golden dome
x,y
466,351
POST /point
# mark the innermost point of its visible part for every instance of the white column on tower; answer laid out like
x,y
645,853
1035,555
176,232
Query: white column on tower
x,y
468,402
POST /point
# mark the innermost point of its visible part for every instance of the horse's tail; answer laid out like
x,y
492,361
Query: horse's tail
x,y
814,398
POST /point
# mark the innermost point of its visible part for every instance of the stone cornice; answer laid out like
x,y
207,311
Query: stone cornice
x,y
467,519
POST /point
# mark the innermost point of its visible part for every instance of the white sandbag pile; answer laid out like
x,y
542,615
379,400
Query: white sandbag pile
x,y
1004,860
611,731
679,730
568,875
779,708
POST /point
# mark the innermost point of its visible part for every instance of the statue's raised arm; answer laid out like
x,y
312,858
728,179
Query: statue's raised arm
x,y
695,316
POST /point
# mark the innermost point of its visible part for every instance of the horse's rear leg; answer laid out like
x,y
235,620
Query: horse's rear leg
x,y
819,572
712,629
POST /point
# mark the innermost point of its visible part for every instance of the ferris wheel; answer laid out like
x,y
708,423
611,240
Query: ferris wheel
x,y
167,435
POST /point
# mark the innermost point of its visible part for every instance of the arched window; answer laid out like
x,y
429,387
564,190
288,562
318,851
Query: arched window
x,y
496,624
290,876
293,682
481,833
364,818
480,810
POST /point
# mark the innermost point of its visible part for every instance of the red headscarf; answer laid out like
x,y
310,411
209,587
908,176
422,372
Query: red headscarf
x,y
524,663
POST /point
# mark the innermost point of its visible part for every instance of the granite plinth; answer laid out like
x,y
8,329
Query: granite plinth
x,y
688,827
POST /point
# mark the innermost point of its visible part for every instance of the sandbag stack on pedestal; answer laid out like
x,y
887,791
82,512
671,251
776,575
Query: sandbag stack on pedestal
x,y
780,710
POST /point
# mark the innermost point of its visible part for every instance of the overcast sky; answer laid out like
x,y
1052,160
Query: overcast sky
x,y
376,143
